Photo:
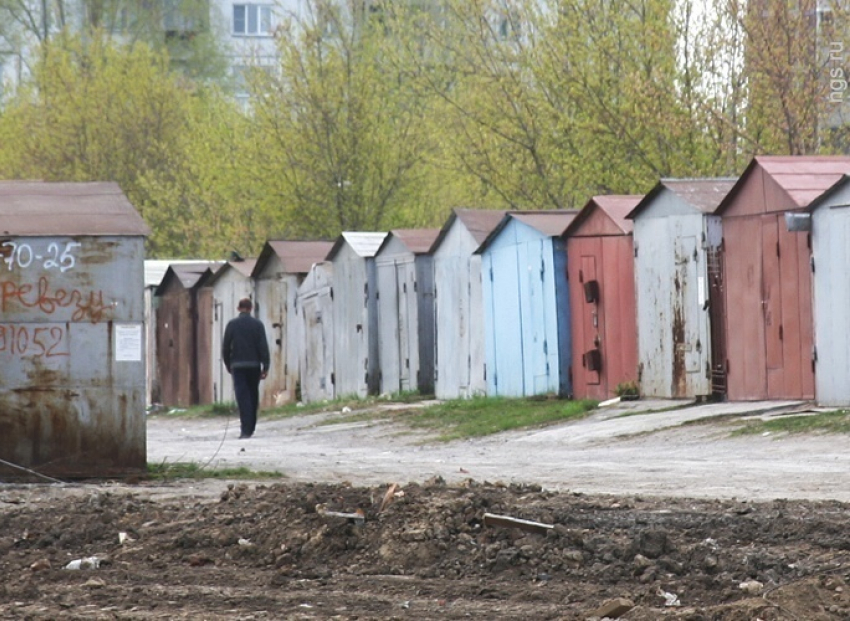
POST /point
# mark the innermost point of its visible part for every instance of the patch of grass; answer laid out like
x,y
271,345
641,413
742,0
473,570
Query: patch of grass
x,y
223,407
482,416
316,407
837,421
229,408
406,396
191,470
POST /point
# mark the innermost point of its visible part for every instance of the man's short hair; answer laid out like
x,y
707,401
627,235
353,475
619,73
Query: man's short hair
x,y
245,304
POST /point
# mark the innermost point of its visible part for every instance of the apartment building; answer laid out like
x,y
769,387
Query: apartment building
x,y
243,30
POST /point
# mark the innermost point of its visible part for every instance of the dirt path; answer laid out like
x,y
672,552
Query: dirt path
x,y
681,528
652,454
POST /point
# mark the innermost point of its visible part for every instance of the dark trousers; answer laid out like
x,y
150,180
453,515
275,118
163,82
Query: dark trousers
x,y
246,385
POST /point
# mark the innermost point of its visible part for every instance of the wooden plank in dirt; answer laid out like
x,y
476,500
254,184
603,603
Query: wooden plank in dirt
x,y
506,521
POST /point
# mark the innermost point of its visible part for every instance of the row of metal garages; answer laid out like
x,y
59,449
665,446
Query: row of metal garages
x,y
732,287
702,287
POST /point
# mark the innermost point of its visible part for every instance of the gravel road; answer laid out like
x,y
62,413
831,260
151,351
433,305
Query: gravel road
x,y
683,452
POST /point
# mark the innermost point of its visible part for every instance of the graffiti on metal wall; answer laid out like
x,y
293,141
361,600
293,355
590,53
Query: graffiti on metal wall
x,y
52,256
44,298
48,298
22,339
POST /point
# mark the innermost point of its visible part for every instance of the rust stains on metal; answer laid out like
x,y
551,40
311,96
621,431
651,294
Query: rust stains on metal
x,y
6,249
38,208
46,431
680,384
72,402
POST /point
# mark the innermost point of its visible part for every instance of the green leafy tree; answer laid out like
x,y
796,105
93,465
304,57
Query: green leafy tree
x,y
549,103
338,126
771,75
187,29
94,112
203,202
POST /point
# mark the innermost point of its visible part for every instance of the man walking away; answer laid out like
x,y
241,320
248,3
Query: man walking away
x,y
245,353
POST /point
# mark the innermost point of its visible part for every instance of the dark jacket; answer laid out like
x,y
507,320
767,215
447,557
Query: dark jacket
x,y
245,343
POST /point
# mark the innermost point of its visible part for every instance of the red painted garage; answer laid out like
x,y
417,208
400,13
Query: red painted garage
x,y
769,324
600,266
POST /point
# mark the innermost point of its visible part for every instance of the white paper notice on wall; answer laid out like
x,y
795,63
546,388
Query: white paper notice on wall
x,y
128,342
701,291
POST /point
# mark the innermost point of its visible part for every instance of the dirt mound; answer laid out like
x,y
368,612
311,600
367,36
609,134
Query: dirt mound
x,y
301,551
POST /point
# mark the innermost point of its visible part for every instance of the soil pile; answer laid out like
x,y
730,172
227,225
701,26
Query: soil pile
x,y
302,551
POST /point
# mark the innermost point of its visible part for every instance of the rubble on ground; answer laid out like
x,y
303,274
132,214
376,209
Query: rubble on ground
x,y
305,551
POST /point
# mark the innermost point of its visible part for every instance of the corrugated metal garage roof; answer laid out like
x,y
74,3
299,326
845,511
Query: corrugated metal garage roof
x,y
364,244
705,195
479,222
155,268
550,223
39,208
418,241
617,207
802,177
297,257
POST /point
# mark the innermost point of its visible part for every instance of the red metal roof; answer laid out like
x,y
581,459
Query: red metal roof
x,y
615,206
803,177
418,241
297,257
39,208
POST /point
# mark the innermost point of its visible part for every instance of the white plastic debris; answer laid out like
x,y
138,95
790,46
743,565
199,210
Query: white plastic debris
x,y
670,599
89,562
346,410
752,587
244,542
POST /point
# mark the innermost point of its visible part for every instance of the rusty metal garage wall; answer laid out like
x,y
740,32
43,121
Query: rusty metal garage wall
x,y
72,370
203,346
174,347
671,239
